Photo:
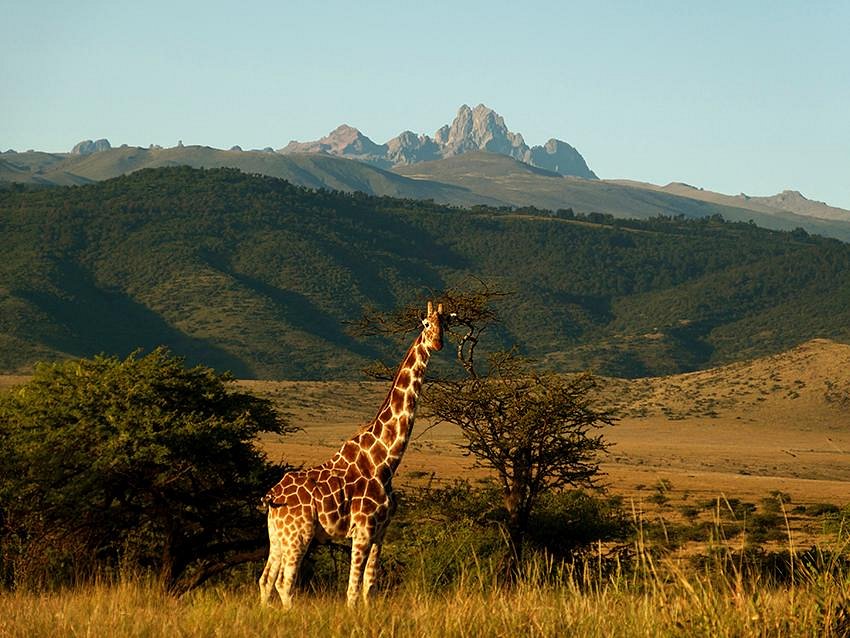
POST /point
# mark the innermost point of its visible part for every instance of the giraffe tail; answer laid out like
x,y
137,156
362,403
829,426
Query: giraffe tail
x,y
268,502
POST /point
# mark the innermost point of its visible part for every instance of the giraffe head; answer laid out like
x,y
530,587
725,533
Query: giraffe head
x,y
432,327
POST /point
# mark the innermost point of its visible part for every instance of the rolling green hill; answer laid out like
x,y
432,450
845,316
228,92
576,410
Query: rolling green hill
x,y
307,169
259,276
464,180
507,180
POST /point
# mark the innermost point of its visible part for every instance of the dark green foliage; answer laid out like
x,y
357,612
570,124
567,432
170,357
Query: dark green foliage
x,y
442,534
838,523
252,274
771,568
822,509
137,463
568,521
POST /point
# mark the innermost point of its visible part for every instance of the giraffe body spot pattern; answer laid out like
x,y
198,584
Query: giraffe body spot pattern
x,y
350,495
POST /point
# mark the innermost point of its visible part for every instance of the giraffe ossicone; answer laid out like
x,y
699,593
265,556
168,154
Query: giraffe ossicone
x,y
350,495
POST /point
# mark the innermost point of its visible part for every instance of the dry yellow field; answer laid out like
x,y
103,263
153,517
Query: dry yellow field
x,y
739,431
736,432
780,423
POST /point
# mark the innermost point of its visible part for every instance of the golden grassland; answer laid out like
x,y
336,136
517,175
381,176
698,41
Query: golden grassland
x,y
687,451
660,600
743,431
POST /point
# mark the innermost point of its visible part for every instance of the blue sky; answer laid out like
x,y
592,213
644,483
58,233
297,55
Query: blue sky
x,y
732,96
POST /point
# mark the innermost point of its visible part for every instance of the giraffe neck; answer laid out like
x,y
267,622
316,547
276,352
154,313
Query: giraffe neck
x,y
394,422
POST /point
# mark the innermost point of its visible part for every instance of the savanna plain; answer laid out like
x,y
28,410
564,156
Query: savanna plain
x,y
732,486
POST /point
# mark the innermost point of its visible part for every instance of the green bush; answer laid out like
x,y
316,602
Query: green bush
x,y
136,464
568,521
439,537
441,534
822,509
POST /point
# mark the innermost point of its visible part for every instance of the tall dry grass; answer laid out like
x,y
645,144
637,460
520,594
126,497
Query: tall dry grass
x,y
657,598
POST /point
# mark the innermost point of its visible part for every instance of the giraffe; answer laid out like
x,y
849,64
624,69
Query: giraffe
x,y
351,494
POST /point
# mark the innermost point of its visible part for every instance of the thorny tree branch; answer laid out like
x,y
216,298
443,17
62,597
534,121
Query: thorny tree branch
x,y
469,312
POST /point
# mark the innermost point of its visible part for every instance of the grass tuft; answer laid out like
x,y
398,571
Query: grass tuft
x,y
642,596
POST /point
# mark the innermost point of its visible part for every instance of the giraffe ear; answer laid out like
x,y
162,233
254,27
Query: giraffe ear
x,y
430,308
439,308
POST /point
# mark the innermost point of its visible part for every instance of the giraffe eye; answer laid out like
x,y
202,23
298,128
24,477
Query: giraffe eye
x,y
426,324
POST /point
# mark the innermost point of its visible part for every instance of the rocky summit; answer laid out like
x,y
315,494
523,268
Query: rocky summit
x,y
345,141
472,130
87,147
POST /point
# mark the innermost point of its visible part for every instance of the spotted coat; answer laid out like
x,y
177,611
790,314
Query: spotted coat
x,y
351,494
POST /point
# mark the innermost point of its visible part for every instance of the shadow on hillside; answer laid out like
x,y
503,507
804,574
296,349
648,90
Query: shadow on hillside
x,y
297,310
88,320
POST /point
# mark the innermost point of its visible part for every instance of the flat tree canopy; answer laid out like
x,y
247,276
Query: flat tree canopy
x,y
140,463
537,430
534,429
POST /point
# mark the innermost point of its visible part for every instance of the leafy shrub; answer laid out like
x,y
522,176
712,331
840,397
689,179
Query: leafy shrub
x,y
567,521
441,536
775,501
821,509
139,464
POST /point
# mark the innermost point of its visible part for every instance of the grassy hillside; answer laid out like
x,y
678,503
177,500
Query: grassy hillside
x,y
259,276
310,170
778,205
505,179
465,180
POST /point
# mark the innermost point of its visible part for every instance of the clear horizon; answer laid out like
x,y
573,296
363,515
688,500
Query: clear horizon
x,y
729,97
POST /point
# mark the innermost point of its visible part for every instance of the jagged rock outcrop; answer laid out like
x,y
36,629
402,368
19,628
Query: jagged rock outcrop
x,y
472,130
559,157
482,129
344,141
798,203
87,147
410,148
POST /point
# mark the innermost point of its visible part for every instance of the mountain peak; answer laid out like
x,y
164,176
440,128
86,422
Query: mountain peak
x,y
796,202
345,132
344,140
473,129
87,147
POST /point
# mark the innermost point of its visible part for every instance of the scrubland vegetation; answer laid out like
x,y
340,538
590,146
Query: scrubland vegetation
x,y
127,509
258,276
597,567
445,588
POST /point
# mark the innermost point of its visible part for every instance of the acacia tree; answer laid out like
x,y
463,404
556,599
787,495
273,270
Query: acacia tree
x,y
135,463
537,431
533,429
469,311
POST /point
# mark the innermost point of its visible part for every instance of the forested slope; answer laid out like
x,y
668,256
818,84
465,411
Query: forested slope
x,y
259,276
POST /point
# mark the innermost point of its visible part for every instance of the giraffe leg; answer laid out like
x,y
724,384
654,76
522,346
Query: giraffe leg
x,y
273,564
360,547
286,575
270,573
371,570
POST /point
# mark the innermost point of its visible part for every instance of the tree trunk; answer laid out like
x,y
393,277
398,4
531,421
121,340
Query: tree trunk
x,y
517,524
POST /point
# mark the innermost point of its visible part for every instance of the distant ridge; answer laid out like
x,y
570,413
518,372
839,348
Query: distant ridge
x,y
466,179
796,202
473,130
310,170
520,185
255,275
474,160
789,201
